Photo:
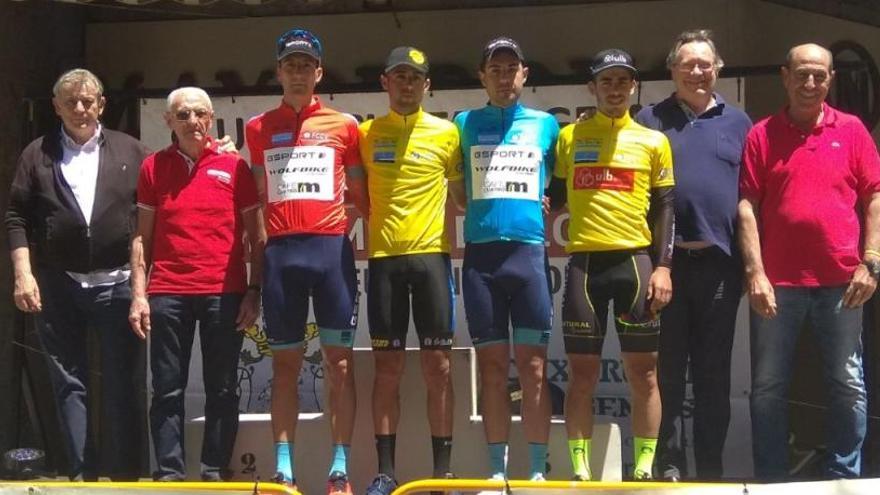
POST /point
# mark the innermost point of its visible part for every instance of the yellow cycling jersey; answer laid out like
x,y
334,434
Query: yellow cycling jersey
x,y
408,160
610,166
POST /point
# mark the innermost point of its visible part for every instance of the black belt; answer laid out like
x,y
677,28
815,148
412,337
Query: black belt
x,y
695,253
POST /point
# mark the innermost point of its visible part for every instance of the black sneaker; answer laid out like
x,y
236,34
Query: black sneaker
x,y
382,485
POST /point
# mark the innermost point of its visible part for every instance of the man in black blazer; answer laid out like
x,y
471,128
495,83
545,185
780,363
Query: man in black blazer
x,y
69,220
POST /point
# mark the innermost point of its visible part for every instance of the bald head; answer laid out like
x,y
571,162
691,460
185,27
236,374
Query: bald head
x,y
809,52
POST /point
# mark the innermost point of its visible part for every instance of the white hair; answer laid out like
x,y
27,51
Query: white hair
x,y
188,92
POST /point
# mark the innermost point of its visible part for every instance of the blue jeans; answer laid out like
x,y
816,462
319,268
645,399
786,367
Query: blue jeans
x,y
69,312
837,331
174,320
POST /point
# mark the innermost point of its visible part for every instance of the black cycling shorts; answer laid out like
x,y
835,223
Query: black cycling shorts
x,y
592,281
392,281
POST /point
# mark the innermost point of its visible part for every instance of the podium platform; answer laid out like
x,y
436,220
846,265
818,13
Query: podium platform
x,y
254,448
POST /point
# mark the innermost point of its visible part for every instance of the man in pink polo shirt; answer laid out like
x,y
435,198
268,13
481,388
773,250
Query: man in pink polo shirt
x,y
809,218
194,204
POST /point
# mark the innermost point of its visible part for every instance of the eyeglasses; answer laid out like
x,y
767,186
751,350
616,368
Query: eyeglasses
x,y
819,77
689,67
184,115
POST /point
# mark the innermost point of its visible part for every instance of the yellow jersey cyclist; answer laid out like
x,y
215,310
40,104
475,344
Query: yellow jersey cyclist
x,y
409,156
616,177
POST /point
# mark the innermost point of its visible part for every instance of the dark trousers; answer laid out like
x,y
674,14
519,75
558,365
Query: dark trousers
x,y
69,312
697,330
174,320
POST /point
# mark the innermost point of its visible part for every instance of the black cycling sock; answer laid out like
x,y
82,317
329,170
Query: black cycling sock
x,y
442,447
385,451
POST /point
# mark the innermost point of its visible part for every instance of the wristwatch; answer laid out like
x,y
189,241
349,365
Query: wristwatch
x,y
873,266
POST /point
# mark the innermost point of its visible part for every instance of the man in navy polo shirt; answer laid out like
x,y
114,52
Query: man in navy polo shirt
x,y
707,139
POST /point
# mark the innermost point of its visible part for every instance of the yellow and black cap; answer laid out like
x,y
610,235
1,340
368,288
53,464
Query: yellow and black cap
x,y
407,55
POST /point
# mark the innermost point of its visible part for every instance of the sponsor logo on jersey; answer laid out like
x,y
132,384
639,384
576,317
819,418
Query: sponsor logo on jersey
x,y
299,187
221,175
586,156
283,137
603,178
488,138
383,156
504,153
292,154
318,136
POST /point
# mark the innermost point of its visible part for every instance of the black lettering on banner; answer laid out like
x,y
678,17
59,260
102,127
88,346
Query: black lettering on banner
x,y
558,370
249,461
612,371
615,407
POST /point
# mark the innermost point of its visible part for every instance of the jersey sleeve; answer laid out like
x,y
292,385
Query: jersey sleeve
x,y
751,174
562,166
661,168
254,144
867,163
454,167
550,152
363,142
146,190
245,193
352,156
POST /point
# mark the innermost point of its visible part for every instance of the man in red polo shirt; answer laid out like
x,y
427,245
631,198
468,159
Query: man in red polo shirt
x,y
809,218
306,160
194,204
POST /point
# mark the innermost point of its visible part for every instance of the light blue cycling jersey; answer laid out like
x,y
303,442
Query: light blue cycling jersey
x,y
508,157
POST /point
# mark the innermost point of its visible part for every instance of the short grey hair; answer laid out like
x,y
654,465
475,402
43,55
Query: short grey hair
x,y
78,77
188,91
694,36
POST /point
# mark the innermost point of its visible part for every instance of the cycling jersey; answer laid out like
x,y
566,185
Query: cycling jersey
x,y
610,166
304,155
508,155
408,159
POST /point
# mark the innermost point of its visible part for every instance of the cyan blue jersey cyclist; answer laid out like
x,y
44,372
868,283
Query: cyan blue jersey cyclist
x,y
508,157
508,152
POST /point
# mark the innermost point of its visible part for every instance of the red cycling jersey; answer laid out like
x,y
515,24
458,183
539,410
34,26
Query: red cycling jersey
x,y
304,155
